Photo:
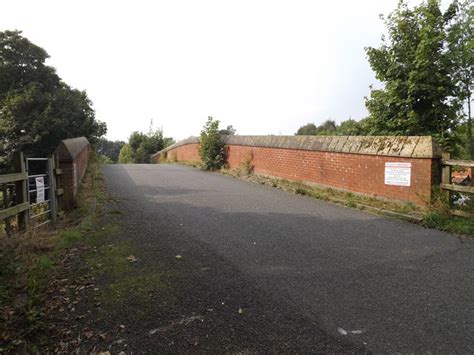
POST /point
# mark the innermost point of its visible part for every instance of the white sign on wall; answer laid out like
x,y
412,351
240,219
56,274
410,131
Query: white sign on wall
x,y
398,174
39,189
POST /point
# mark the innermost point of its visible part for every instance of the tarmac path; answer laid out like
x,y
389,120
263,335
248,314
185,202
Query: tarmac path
x,y
298,274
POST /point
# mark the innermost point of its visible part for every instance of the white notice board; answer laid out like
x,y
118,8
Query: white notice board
x,y
398,174
39,189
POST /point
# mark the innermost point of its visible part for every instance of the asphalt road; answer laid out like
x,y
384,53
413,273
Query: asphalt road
x,y
362,280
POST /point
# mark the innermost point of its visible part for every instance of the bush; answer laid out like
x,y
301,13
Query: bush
x,y
211,150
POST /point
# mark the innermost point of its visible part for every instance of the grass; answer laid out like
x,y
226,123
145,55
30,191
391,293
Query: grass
x,y
111,259
30,261
448,223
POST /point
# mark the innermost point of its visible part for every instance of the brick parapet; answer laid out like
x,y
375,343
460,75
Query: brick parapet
x,y
360,169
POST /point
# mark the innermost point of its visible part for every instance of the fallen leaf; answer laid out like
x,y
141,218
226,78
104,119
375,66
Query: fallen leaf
x,y
89,335
132,258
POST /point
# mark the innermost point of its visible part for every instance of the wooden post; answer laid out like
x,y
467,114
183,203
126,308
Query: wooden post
x,y
21,191
52,190
446,177
6,204
57,179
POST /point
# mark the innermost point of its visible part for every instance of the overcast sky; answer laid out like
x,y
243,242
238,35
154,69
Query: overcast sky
x,y
264,66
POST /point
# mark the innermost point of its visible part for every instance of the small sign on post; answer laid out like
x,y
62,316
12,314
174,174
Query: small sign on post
x,y
398,174
39,189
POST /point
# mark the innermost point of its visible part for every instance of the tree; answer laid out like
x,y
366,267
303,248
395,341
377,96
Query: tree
x,y
415,69
109,149
211,149
228,131
125,155
37,109
307,130
461,50
327,128
142,146
350,127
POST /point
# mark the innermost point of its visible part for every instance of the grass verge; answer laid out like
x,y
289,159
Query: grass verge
x,y
30,262
436,216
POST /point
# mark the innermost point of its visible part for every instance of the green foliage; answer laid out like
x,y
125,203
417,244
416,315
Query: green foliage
x,y
352,127
109,149
142,145
349,127
211,149
327,128
417,66
309,129
37,109
126,155
228,131
461,49
174,157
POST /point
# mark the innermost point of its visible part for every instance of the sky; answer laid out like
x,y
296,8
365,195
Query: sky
x,y
263,66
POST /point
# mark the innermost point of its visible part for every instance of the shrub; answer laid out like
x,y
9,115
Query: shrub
x,y
163,157
174,157
211,150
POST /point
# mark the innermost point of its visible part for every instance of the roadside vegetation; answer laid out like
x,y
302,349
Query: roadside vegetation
x,y
435,216
211,148
426,66
37,108
141,146
36,274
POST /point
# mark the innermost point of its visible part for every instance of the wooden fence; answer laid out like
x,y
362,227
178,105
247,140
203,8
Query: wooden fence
x,y
448,186
19,206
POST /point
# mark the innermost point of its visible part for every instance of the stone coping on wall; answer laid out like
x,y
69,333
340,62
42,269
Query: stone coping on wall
x,y
396,146
69,149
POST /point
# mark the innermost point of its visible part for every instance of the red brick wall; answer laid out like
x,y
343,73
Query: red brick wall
x,y
72,173
188,152
353,172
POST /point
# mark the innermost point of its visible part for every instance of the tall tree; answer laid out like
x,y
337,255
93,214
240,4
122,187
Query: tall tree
x,y
415,69
461,50
37,109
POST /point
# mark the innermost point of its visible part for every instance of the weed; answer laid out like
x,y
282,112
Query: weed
x,y
116,212
435,216
174,157
111,259
45,263
300,191
29,261
134,287
246,166
69,238
163,157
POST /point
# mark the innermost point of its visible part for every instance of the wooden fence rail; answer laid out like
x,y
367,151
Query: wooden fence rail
x,y
21,207
448,186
